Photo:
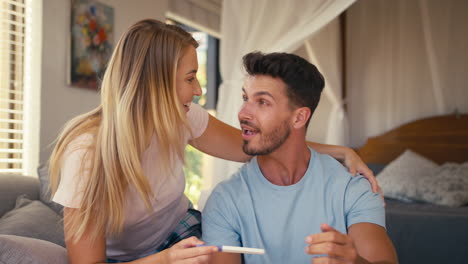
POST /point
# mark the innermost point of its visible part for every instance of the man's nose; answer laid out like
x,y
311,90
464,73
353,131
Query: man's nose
x,y
245,112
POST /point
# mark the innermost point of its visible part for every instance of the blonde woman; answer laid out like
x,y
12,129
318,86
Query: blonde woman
x,y
117,170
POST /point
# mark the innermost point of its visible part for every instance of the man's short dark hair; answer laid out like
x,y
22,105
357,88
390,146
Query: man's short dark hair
x,y
304,82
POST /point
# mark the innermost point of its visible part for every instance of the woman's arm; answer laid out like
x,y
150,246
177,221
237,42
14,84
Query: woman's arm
x,y
350,159
85,251
224,141
226,258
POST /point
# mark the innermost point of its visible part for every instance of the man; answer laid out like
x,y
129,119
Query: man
x,y
295,203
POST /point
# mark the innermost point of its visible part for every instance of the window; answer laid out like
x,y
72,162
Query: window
x,y
208,69
197,163
12,30
17,153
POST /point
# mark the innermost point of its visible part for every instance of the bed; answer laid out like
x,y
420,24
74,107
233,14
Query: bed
x,y
424,232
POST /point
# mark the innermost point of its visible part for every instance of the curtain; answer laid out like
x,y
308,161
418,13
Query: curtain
x,y
267,26
406,60
324,50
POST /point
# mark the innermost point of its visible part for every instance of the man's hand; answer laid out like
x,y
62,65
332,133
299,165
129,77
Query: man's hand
x,y
338,247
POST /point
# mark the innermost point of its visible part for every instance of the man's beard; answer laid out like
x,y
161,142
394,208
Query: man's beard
x,y
269,142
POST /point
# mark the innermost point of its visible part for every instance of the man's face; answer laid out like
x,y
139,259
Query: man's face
x,y
265,114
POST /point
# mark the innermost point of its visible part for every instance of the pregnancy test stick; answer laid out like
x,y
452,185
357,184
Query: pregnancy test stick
x,y
242,250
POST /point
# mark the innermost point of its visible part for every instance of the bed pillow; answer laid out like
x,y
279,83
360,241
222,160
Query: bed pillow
x,y
449,186
17,249
414,178
33,219
401,177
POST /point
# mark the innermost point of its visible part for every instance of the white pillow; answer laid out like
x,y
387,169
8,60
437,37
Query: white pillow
x,y
448,187
412,177
398,179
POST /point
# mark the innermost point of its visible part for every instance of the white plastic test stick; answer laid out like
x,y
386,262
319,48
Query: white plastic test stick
x,y
242,250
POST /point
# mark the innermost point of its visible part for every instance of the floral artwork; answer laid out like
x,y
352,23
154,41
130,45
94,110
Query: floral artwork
x,y
92,28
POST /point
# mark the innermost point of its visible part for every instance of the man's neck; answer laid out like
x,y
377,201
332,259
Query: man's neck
x,y
286,165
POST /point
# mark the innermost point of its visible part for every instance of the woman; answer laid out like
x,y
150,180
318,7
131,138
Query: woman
x,y
120,165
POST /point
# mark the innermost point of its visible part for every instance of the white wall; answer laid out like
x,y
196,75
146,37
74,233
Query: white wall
x,y
60,102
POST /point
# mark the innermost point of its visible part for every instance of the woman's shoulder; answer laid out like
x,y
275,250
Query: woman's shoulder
x,y
86,137
81,142
196,113
198,119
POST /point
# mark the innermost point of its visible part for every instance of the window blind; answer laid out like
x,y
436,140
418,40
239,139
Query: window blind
x,y
12,40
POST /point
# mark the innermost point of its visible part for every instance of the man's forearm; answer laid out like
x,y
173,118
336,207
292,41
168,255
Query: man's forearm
x,y
362,260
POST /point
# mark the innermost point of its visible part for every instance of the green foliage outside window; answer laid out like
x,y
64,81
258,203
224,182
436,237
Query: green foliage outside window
x,y
193,157
193,176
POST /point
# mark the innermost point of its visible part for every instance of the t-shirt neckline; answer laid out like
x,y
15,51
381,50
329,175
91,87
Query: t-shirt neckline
x,y
259,175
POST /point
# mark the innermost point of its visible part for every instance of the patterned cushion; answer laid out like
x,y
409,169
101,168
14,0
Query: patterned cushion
x,y
412,177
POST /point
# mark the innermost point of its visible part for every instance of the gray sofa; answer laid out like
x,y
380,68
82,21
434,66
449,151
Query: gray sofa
x,y
31,227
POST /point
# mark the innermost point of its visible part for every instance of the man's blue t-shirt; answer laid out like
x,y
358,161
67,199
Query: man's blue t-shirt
x,y
248,210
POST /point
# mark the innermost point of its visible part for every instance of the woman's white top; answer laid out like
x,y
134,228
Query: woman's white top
x,y
142,231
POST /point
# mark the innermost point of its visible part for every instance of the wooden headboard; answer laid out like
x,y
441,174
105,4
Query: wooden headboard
x,y
441,139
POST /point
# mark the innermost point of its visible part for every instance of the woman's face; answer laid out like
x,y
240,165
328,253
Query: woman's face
x,y
187,84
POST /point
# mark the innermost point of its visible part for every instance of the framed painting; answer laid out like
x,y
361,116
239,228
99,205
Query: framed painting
x,y
92,30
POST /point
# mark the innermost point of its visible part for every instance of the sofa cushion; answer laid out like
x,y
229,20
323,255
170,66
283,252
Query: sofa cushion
x,y
44,190
33,219
13,185
17,249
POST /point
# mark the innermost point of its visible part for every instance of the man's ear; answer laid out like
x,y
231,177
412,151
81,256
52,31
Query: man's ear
x,y
301,116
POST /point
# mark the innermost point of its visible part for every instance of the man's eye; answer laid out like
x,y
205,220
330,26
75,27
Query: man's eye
x,y
263,102
244,98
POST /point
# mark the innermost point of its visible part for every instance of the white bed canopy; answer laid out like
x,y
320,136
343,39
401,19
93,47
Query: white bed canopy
x,y
404,60
267,26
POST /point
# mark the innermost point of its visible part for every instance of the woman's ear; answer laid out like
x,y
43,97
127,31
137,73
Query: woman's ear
x,y
302,115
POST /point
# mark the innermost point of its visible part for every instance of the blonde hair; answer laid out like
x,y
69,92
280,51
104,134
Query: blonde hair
x,y
138,100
